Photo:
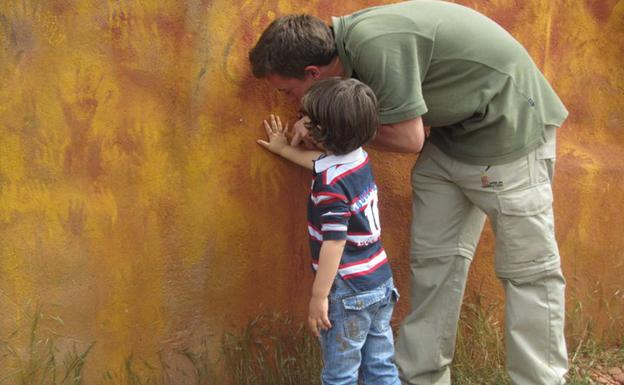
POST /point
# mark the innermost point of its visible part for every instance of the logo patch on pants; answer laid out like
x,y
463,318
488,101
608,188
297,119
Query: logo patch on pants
x,y
486,182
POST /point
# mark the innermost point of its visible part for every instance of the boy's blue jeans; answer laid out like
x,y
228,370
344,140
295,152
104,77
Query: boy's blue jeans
x,y
360,342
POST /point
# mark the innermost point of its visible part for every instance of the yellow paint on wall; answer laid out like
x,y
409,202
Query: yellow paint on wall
x,y
135,202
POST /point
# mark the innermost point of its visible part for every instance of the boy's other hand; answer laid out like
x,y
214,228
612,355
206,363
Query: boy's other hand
x,y
318,315
276,135
301,136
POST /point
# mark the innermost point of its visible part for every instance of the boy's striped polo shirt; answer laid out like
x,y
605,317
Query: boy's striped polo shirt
x,y
343,206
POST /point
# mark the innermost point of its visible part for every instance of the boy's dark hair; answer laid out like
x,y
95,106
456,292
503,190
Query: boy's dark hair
x,y
291,43
343,114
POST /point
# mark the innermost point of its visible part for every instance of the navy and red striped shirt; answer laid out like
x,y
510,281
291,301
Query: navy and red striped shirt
x,y
343,206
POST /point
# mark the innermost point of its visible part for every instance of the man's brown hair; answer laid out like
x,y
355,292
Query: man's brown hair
x,y
344,114
291,43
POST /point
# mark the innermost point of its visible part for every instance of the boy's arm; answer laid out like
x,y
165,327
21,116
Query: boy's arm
x,y
329,259
297,155
278,144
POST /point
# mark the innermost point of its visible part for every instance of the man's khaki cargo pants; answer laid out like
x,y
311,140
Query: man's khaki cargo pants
x,y
451,200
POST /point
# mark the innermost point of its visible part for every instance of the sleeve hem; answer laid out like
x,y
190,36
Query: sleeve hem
x,y
403,115
334,235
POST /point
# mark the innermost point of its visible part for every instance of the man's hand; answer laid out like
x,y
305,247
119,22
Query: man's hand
x,y
302,136
276,135
318,315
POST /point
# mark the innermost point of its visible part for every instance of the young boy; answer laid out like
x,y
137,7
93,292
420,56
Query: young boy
x,y
353,293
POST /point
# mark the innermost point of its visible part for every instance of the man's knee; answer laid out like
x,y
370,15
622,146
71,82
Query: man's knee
x,y
529,271
548,273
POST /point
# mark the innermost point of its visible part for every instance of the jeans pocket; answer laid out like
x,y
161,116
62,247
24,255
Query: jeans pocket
x,y
381,319
359,310
364,300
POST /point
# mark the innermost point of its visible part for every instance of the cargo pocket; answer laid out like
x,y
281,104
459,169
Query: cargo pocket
x,y
358,311
525,231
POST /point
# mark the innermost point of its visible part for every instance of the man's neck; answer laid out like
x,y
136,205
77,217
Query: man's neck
x,y
334,68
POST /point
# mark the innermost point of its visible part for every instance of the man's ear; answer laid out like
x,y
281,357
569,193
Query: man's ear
x,y
313,72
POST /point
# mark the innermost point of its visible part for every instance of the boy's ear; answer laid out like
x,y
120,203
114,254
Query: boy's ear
x,y
313,72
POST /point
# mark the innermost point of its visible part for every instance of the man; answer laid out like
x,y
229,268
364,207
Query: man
x,y
491,151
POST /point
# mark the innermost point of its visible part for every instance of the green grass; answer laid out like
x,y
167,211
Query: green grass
x,y
40,363
31,355
480,358
274,349
479,353
593,358
134,371
264,352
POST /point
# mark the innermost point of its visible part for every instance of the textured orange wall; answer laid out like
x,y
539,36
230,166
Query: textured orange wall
x,y
136,207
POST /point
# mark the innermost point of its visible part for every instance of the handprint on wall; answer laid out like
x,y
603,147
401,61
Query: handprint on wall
x,y
145,44
80,103
76,220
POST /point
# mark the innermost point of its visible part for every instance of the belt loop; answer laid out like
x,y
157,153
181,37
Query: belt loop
x,y
531,165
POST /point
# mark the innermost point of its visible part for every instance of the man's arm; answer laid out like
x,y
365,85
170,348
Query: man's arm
x,y
406,136
329,259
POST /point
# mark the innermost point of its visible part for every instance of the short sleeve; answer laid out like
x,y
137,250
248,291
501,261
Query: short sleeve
x,y
391,66
334,213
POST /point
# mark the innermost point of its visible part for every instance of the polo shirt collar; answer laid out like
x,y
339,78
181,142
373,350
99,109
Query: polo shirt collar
x,y
328,161
339,25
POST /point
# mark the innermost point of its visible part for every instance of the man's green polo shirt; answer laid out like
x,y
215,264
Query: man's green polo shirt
x,y
469,79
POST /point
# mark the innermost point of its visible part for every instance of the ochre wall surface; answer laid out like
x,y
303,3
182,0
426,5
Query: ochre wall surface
x,y
137,211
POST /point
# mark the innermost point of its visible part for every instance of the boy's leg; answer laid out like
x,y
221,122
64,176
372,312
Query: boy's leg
x,y
342,344
445,230
378,367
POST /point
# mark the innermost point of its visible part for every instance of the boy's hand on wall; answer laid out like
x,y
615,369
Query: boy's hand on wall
x,y
318,319
276,135
278,144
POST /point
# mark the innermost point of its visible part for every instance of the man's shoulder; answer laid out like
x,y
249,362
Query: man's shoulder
x,y
380,26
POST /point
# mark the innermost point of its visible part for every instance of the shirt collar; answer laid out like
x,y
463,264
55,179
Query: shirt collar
x,y
328,161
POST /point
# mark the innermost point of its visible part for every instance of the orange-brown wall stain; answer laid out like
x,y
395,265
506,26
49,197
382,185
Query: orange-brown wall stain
x,y
136,206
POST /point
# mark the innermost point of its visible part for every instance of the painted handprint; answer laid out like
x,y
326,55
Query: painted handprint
x,y
76,220
79,105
